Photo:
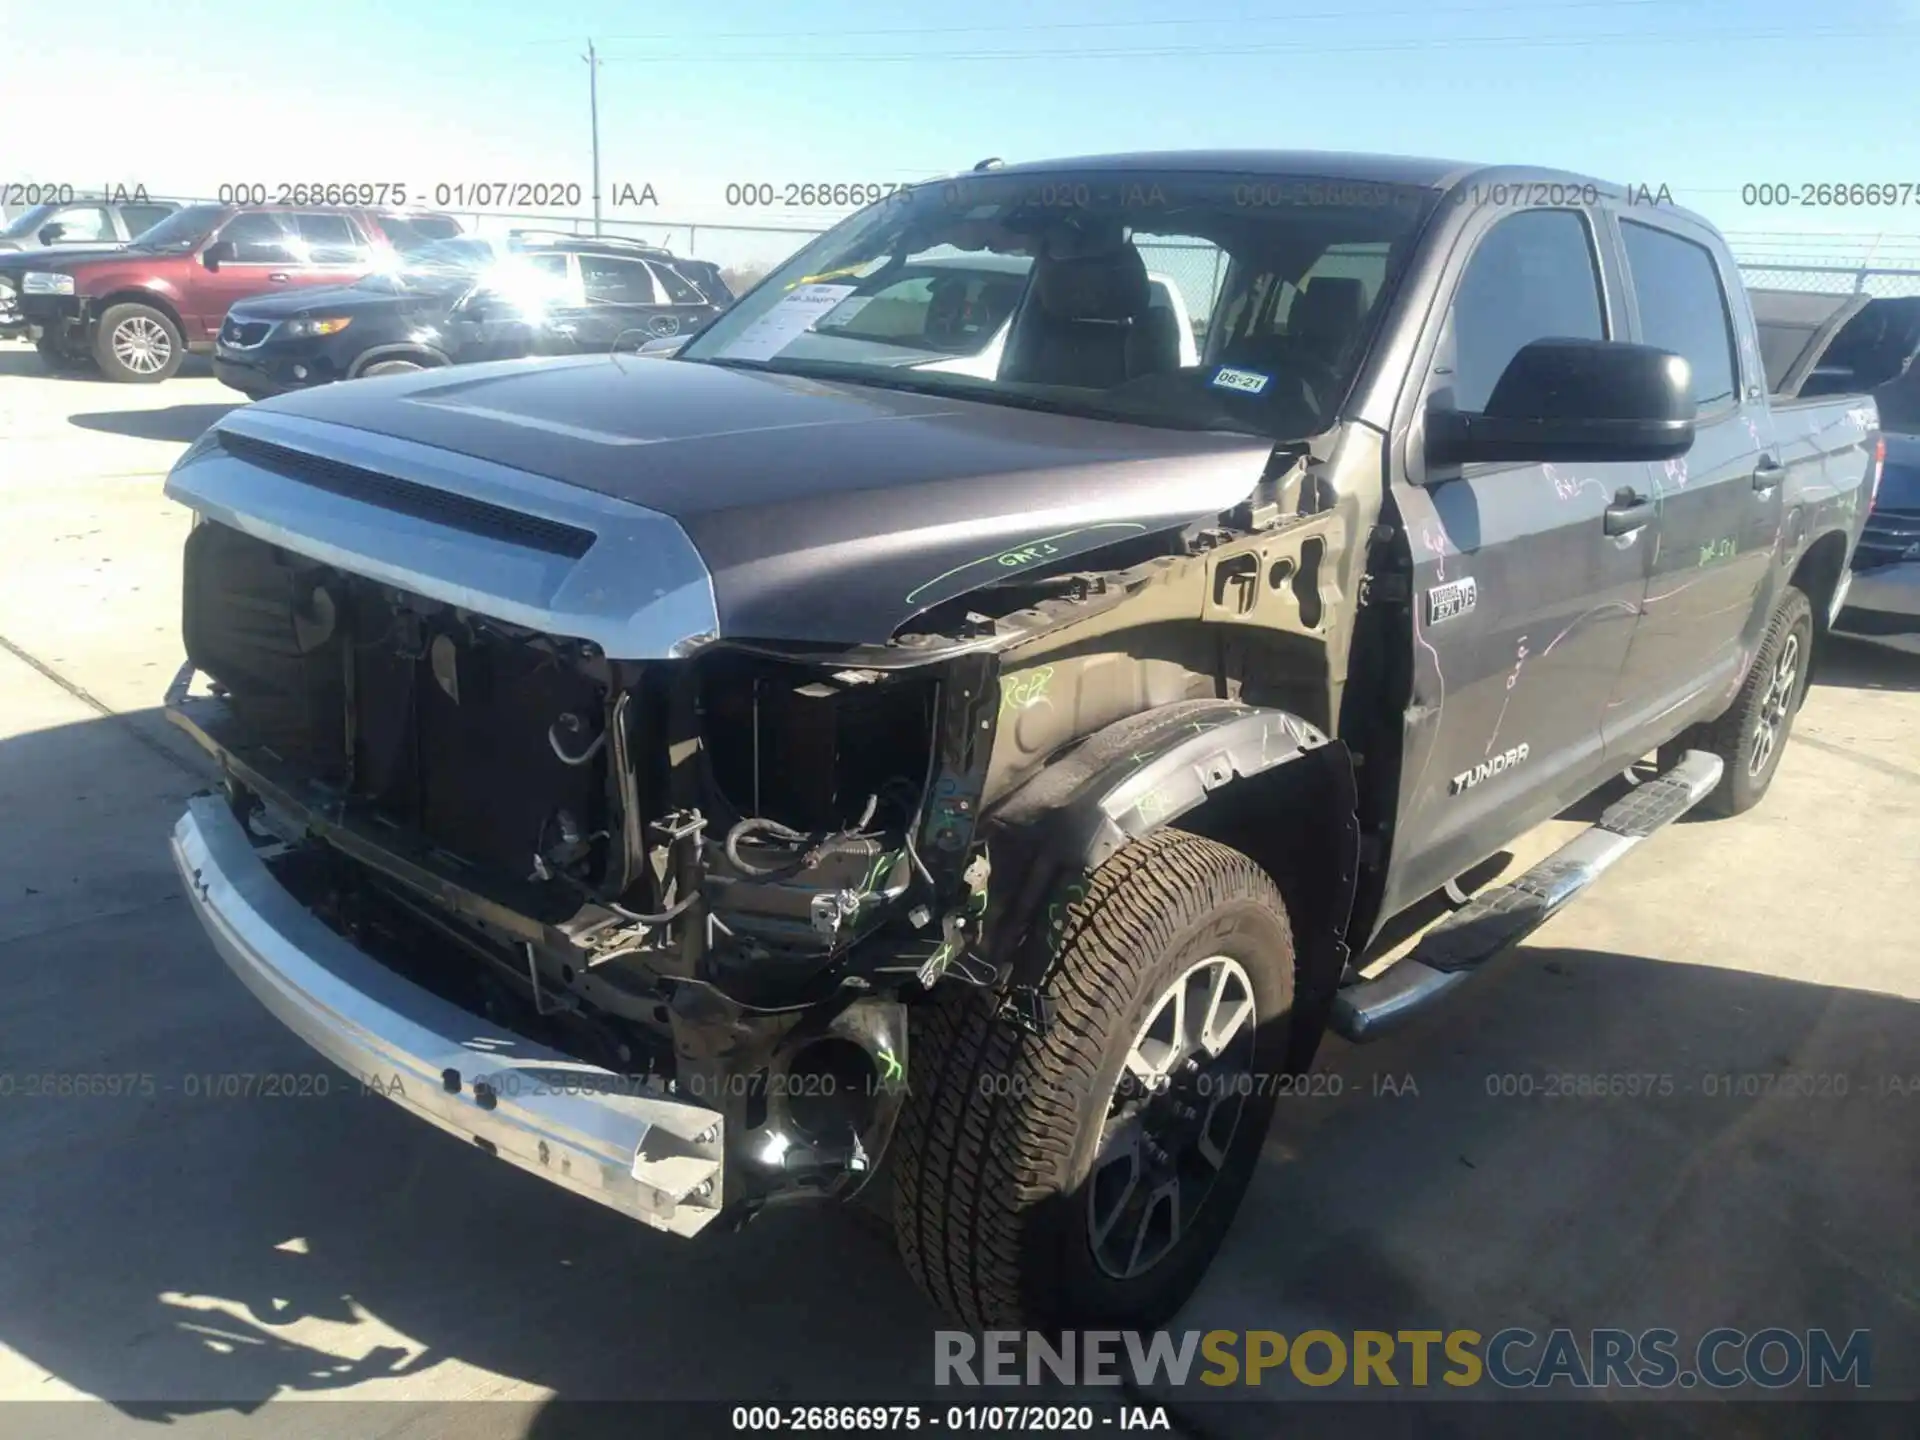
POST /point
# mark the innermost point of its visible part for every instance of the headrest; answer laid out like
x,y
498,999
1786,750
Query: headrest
x,y
1331,305
1112,286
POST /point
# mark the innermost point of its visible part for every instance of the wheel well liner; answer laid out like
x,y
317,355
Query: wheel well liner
x,y
1262,780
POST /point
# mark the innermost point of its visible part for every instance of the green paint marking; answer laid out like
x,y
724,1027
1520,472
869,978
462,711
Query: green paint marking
x,y
1046,547
891,1067
1025,689
1722,549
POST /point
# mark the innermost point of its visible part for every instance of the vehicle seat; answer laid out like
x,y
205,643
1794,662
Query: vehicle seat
x,y
1326,317
1089,322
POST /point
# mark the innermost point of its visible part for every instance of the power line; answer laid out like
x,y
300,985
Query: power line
x,y
1041,25
1477,42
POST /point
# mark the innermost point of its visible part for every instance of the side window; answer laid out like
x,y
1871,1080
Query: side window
x,y
1683,309
549,267
258,239
143,217
1532,277
679,291
84,222
608,281
329,239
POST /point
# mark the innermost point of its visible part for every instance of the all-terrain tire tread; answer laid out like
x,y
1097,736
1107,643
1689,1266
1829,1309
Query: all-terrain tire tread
x,y
991,1117
1726,736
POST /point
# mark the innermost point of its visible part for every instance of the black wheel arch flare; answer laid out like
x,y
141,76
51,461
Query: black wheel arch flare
x,y
1259,779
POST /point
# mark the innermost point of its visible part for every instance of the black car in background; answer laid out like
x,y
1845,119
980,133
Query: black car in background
x,y
466,299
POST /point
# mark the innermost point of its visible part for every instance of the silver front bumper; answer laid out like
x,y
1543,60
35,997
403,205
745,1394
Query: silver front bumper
x,y
645,1154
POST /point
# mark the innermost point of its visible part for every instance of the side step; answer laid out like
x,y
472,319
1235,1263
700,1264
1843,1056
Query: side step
x,y
1501,918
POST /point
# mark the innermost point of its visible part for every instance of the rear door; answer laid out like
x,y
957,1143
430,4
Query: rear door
x,y
621,297
1524,607
686,309
1720,504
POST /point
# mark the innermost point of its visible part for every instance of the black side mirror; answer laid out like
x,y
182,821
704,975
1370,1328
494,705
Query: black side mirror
x,y
217,254
1574,400
50,234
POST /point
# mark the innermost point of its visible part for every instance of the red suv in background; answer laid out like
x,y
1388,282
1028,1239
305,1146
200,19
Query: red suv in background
x,y
138,311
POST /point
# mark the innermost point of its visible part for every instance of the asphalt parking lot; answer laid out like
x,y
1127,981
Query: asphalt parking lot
x,y
193,1259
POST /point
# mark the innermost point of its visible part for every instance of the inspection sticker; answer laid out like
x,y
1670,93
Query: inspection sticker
x,y
1247,382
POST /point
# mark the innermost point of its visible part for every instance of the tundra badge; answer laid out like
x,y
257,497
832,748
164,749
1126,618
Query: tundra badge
x,y
1486,769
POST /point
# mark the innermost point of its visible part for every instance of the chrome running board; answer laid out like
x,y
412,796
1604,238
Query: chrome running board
x,y
1494,922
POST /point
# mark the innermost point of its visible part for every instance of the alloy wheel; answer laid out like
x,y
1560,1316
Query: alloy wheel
x,y
1776,706
142,345
1172,1117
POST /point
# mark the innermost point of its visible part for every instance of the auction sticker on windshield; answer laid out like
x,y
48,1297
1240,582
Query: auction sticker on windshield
x,y
787,321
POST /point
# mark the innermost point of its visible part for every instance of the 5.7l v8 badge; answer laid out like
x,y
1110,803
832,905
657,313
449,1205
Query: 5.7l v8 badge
x,y
1456,597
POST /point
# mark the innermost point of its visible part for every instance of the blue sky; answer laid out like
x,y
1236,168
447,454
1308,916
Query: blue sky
x,y
1700,95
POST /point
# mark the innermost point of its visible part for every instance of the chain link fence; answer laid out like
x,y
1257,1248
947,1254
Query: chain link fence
x,y
1833,279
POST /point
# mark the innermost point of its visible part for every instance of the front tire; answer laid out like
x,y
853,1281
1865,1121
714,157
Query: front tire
x,y
1751,736
137,345
1089,1175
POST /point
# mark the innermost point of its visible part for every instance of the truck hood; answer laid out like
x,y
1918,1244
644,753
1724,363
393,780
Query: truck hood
x,y
819,511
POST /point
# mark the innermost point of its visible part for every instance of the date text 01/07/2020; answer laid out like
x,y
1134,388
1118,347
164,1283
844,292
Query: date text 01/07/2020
x,y
458,194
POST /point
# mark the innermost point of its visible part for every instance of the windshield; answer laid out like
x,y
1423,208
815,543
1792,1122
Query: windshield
x,y
27,224
1196,301
443,264
181,230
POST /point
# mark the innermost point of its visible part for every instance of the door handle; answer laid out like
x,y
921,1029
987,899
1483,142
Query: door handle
x,y
278,276
1628,512
1767,473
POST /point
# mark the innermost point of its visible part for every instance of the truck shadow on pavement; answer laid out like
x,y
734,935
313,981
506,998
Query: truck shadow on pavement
x,y
182,1247
178,423
1852,664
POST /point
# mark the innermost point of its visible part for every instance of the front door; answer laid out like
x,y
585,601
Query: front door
x,y
1720,505
1524,605
263,262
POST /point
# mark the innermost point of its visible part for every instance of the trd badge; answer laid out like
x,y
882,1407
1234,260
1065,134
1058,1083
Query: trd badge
x,y
1456,597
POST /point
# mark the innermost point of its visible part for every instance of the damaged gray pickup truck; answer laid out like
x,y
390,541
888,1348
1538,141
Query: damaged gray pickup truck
x,y
709,781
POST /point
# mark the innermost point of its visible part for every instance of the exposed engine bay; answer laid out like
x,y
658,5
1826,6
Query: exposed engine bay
x,y
724,875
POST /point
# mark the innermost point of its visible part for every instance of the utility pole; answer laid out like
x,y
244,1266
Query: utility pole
x,y
593,100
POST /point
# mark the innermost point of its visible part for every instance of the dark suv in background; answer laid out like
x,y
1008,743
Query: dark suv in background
x,y
138,311
468,299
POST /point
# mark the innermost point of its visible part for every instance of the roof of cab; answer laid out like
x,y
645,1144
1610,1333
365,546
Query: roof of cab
x,y
1359,167
1330,164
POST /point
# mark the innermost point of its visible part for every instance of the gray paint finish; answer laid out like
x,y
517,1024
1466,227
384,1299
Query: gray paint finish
x,y
825,512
